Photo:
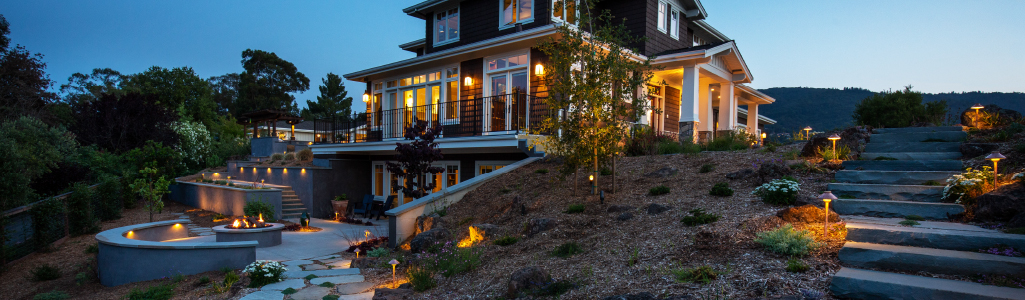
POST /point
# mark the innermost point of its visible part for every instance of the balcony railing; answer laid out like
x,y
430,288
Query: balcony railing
x,y
495,115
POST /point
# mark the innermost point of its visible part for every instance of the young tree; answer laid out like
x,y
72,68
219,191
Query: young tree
x,y
594,81
151,188
267,83
415,159
333,101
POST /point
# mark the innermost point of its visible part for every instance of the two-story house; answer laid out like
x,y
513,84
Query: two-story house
x,y
477,73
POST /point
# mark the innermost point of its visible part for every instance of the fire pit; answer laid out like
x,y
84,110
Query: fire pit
x,y
250,229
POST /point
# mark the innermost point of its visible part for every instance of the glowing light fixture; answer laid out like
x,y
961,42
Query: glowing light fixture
x,y
977,107
539,70
268,170
834,138
393,262
826,197
763,135
995,157
807,132
357,253
468,81
366,97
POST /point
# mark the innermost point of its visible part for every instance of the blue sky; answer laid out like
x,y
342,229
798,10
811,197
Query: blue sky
x,y
936,46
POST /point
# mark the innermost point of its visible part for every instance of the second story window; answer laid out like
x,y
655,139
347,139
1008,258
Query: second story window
x,y
516,11
663,8
674,24
446,26
565,10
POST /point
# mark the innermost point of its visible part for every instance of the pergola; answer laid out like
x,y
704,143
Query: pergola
x,y
270,119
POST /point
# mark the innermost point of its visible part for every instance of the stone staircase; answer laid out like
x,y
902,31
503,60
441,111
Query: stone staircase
x,y
902,173
331,275
291,206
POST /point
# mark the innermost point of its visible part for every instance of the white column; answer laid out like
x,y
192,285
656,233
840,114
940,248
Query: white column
x,y
752,119
733,110
689,95
707,112
727,107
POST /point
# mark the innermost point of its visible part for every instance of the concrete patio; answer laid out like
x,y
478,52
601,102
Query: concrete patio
x,y
304,245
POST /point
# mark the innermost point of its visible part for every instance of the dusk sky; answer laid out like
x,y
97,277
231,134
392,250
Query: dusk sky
x,y
936,46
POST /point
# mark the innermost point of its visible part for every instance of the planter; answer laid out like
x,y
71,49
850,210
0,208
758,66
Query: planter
x,y
341,207
266,236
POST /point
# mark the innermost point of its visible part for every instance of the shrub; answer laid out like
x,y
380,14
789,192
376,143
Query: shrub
x,y
668,147
422,279
702,274
263,272
289,157
156,292
827,153
541,171
305,155
643,141
378,252
567,249
658,190
606,172
705,168
963,188
255,208
787,241
45,272
230,278
80,210
898,109
506,240
733,140
795,265
289,291
778,192
203,280
699,217
449,260
909,223
574,209
721,189
51,295
277,157
47,222
107,199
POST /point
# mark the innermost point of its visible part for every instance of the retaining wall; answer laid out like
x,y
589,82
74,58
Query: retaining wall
x,y
315,186
223,199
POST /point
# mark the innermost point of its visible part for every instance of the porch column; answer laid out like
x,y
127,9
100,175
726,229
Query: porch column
x,y
707,124
752,120
727,107
689,102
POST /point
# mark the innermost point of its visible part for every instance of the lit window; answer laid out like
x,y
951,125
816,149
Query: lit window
x,y
662,7
674,24
565,10
452,176
508,62
514,11
453,73
452,100
446,26
377,86
391,84
379,180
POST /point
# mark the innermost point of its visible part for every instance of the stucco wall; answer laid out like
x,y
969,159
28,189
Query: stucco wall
x,y
222,199
264,147
315,186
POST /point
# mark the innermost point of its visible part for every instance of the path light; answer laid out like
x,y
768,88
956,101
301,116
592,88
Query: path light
x,y
366,233
593,186
827,197
394,262
357,253
977,107
834,138
229,179
995,157
807,132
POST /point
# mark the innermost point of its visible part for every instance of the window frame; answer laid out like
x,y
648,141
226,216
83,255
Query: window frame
x,y
447,16
502,24
674,23
662,15
562,19
495,163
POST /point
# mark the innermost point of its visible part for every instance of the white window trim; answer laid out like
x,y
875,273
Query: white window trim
x,y
477,164
460,30
444,90
386,189
674,29
551,10
501,23
663,11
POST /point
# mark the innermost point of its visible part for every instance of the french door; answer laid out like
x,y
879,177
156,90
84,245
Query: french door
x,y
506,90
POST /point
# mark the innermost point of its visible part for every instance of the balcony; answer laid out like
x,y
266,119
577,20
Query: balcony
x,y
509,114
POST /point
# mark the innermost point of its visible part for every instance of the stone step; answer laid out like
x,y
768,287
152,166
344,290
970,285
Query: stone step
x,y
322,273
893,177
941,261
939,235
914,147
292,205
336,280
285,211
939,136
904,165
920,193
895,209
291,216
850,283
917,129
911,155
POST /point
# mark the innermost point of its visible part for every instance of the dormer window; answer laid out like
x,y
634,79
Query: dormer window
x,y
515,11
668,19
446,26
674,24
663,9
565,10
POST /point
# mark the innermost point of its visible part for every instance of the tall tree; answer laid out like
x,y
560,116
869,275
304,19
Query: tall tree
x,y
267,83
225,92
89,87
178,89
121,123
332,102
28,149
24,85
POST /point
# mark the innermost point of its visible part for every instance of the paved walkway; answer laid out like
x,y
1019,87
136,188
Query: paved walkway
x,y
304,245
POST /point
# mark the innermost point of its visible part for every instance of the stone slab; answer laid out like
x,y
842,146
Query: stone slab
x,y
918,129
893,177
930,237
946,136
322,273
904,165
850,283
206,233
264,295
946,225
912,155
332,260
914,147
919,193
341,264
284,284
354,288
337,279
297,262
868,255
363,296
314,267
895,209
311,293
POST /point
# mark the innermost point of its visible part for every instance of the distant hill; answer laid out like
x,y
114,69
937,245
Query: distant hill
x,y
827,108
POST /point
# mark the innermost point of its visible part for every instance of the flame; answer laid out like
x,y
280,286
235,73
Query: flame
x,y
366,233
475,236
261,217
236,224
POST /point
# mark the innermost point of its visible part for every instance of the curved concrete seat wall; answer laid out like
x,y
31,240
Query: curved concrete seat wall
x,y
148,251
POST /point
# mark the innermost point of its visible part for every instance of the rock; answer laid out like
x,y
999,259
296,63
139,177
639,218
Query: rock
x,y
1005,115
625,216
535,226
525,279
363,262
655,208
773,170
406,285
425,239
311,293
971,150
392,294
663,172
487,231
1016,222
1001,205
354,288
806,214
853,138
425,223
264,295
740,174
619,208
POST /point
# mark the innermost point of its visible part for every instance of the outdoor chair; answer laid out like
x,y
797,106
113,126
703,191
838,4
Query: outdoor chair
x,y
363,207
379,211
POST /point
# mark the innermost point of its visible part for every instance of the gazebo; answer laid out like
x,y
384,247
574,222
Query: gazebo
x,y
269,118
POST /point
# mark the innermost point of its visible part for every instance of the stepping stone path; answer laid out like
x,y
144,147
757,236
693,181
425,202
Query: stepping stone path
x,y
347,282
903,174
193,228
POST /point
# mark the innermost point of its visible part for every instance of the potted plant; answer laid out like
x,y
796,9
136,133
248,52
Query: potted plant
x,y
340,204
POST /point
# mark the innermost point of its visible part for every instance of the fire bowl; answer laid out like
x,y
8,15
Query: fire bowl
x,y
269,236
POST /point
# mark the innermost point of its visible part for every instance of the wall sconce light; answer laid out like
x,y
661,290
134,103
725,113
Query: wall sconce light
x,y
826,197
995,157
763,135
366,97
539,70
468,81
834,138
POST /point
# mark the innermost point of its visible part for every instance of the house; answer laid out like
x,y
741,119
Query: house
x,y
476,73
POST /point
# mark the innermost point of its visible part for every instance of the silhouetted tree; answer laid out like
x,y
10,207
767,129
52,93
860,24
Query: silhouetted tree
x,y
225,92
415,159
24,85
267,83
122,123
332,102
178,89
87,88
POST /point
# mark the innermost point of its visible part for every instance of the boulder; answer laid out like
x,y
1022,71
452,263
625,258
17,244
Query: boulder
x,y
806,214
393,294
1017,222
740,174
425,239
525,279
1005,115
425,223
853,138
487,231
619,208
625,216
663,172
1000,205
773,170
970,150
363,261
655,208
535,226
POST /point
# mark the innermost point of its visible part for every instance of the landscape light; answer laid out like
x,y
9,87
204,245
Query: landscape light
x,y
977,107
357,253
834,138
995,157
393,262
807,132
827,197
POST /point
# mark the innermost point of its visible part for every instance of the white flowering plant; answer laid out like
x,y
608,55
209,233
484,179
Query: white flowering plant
x,y
263,272
779,191
194,143
1019,177
963,188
